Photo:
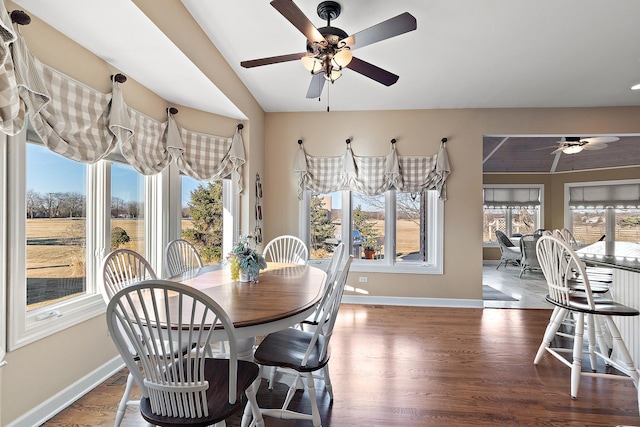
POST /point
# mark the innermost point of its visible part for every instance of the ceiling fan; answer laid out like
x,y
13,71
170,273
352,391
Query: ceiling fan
x,y
329,48
575,144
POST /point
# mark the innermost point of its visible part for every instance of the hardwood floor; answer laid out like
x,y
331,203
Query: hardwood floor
x,y
412,366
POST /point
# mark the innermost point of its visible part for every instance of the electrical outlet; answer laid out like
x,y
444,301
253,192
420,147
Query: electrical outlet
x,y
363,279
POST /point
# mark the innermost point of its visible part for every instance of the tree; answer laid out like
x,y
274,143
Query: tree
x,y
117,207
321,226
367,228
205,207
35,204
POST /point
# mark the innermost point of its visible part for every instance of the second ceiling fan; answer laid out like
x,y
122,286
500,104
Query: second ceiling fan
x,y
575,144
329,48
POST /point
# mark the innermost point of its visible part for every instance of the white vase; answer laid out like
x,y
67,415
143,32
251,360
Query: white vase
x,y
244,276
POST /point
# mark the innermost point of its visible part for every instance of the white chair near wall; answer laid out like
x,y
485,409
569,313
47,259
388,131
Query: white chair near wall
x,y
121,268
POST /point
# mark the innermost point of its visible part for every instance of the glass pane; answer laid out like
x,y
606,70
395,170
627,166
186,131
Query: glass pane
x,y
368,217
202,218
408,226
493,219
325,224
127,209
523,221
628,225
588,225
55,227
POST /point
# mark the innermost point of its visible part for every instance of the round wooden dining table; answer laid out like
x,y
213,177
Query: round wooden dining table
x,y
282,296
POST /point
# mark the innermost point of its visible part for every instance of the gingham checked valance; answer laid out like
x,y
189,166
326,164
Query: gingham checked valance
x,y
12,117
85,125
372,175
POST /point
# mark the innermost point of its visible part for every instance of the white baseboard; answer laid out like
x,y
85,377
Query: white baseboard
x,y
415,302
66,397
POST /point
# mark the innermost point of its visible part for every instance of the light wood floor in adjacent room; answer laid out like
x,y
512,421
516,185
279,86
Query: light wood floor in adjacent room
x,y
411,366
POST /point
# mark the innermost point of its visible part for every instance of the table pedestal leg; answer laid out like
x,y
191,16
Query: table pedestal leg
x,y
244,346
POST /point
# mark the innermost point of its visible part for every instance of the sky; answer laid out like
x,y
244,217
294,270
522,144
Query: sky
x,y
42,178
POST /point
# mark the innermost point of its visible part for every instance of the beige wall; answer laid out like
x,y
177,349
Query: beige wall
x,y
419,132
554,192
38,371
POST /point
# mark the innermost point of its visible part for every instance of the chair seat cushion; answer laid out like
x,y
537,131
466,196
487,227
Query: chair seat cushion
x,y
217,374
286,348
604,306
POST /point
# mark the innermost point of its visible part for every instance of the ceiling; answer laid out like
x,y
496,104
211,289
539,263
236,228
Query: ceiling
x,y
464,54
533,154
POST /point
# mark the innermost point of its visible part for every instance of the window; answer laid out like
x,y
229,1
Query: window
x,y
127,209
515,210
608,208
52,237
411,242
56,229
65,216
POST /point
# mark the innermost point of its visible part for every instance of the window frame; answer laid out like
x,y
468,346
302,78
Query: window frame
x,y
509,211
610,212
435,229
25,328
162,202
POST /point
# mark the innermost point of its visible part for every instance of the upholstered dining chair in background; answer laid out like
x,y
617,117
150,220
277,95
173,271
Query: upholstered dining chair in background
x,y
286,249
529,260
560,264
509,253
304,353
180,256
194,390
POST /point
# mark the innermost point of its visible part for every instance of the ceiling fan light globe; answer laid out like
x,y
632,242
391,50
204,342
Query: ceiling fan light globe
x,y
572,149
311,64
332,76
342,58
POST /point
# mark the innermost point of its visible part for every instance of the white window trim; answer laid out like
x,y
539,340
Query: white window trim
x,y
508,218
3,246
435,229
24,327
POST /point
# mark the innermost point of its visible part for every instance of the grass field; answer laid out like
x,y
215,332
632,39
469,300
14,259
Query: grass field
x,y
56,245
56,249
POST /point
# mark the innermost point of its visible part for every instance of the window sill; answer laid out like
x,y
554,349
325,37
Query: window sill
x,y
57,317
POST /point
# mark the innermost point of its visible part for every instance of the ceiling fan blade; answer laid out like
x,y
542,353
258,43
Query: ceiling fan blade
x,y
373,72
315,88
545,148
272,60
591,146
601,139
293,14
395,26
